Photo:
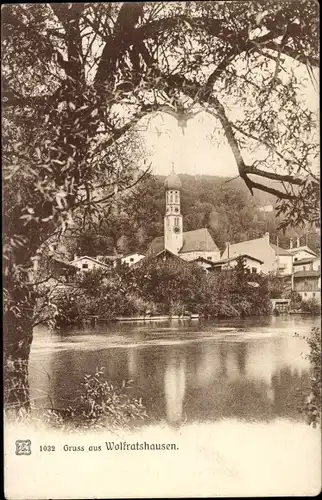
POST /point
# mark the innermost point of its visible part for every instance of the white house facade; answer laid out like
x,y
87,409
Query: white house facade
x,y
86,263
275,259
303,252
132,259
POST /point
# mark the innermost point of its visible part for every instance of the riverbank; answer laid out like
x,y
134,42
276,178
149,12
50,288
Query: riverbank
x,y
161,289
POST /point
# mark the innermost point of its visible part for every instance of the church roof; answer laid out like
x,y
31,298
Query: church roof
x,y
157,245
198,240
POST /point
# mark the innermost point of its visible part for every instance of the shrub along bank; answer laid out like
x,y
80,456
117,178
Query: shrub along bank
x,y
162,287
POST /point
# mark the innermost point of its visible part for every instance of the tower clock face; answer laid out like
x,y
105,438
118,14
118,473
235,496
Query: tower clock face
x,y
176,229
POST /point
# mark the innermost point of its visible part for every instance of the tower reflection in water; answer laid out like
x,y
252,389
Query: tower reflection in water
x,y
174,387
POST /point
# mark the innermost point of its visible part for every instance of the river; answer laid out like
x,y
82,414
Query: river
x,y
224,393
252,369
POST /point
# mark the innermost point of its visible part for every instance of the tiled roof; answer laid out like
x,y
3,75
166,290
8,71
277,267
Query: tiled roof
x,y
302,248
245,246
307,274
101,258
279,250
156,246
198,240
202,259
61,262
224,261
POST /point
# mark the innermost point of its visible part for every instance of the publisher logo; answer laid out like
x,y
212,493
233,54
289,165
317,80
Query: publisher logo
x,y
23,447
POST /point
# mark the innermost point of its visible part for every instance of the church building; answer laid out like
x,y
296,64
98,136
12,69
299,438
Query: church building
x,y
188,245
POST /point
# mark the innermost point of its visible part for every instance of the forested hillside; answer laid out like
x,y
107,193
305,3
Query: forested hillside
x,y
222,205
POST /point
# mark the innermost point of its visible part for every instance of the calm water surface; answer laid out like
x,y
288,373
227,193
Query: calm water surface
x,y
252,369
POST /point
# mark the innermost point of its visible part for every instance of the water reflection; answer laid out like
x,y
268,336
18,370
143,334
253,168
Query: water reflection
x,y
175,385
245,370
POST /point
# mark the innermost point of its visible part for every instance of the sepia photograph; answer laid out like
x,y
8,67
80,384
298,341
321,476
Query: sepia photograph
x,y
161,249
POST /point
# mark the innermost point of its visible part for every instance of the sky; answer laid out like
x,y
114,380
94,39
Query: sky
x,y
201,148
190,149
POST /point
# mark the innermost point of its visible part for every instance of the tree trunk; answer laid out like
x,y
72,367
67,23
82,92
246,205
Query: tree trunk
x,y
18,332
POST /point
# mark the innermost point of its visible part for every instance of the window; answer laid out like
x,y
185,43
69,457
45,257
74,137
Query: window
x,y
177,198
304,268
305,294
209,258
131,259
313,294
85,266
254,270
295,258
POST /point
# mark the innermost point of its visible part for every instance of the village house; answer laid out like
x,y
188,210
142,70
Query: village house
x,y
253,264
86,263
275,259
307,284
131,259
306,278
189,245
205,264
301,252
307,264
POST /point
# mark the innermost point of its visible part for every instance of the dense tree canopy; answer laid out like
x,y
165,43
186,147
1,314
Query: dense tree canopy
x,y
88,72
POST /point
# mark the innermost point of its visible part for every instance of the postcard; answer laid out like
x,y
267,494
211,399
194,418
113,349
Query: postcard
x,y
161,249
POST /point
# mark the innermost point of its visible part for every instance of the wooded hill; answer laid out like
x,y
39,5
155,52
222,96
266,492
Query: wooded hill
x,y
224,206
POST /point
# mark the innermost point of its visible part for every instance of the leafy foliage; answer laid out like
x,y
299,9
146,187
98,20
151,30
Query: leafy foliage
x,y
312,405
163,287
98,404
311,306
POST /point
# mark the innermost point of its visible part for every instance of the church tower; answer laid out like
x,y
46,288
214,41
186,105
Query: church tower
x,y
173,226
